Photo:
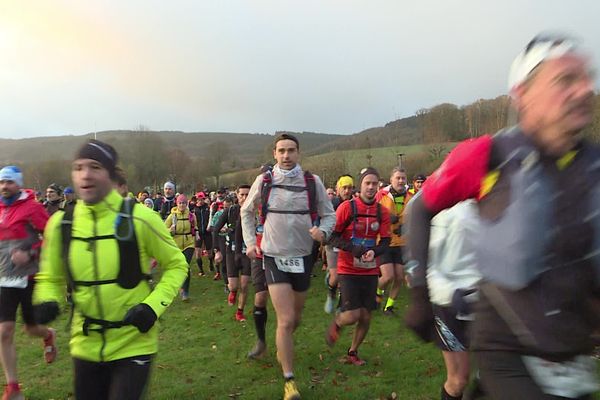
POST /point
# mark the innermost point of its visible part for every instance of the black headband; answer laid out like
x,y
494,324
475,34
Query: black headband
x,y
99,151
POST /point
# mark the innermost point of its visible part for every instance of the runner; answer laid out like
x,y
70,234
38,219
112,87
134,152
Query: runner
x,y
203,237
344,186
53,198
393,197
22,219
114,335
236,259
168,201
359,222
290,200
538,243
219,238
70,200
182,225
452,277
417,184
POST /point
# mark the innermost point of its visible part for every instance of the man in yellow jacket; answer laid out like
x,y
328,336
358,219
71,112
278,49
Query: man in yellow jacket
x,y
101,249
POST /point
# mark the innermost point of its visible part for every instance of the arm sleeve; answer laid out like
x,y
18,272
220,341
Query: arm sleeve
x,y
384,232
460,175
160,245
51,279
341,223
324,208
458,178
248,213
382,246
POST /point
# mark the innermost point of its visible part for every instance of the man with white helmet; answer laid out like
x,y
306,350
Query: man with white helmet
x,y
538,245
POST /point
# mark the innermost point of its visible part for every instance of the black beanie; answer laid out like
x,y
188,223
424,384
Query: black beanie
x,y
99,151
367,171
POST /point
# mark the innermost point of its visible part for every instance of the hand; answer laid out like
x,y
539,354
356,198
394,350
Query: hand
x,y
419,316
253,251
20,257
368,256
46,312
394,219
172,229
218,257
358,251
316,234
142,316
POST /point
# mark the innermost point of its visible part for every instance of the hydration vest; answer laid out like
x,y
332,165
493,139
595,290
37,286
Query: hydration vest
x,y
523,231
130,271
310,188
370,243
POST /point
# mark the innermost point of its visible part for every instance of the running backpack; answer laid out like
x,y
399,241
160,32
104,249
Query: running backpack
x,y
310,188
356,215
130,271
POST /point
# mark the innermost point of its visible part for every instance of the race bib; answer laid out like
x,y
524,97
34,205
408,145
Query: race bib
x,y
294,265
571,379
19,282
358,263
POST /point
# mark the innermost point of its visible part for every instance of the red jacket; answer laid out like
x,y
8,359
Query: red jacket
x,y
21,224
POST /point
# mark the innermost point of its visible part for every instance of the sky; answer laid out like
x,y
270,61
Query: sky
x,y
74,67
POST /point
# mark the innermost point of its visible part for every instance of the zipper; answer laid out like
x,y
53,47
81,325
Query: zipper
x,y
97,287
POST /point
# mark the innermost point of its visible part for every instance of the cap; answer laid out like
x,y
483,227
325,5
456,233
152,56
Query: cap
x,y
200,195
541,48
12,173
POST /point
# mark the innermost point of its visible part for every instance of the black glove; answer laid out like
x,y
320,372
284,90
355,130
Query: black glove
x,y
419,316
141,316
46,312
358,251
394,219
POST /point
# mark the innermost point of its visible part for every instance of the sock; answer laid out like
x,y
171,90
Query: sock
x,y
379,292
288,376
332,291
446,396
199,262
14,385
390,303
260,322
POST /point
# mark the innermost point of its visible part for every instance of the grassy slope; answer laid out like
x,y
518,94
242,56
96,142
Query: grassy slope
x,y
203,356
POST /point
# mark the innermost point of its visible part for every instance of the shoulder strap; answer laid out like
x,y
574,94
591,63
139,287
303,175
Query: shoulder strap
x,y
309,180
265,192
379,212
354,215
66,229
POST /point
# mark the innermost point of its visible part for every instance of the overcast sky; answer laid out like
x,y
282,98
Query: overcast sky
x,y
73,67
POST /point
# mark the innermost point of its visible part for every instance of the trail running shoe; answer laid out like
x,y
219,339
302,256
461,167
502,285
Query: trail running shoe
x,y
50,350
389,311
290,391
259,350
353,358
217,276
12,393
332,334
231,297
239,316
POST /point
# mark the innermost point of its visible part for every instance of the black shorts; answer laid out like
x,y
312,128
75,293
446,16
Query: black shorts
x,y
237,264
451,333
393,255
300,281
10,298
205,240
259,280
358,291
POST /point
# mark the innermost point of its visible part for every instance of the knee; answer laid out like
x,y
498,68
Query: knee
x,y
286,324
7,332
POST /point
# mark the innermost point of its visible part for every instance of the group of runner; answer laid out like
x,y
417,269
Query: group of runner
x,y
501,259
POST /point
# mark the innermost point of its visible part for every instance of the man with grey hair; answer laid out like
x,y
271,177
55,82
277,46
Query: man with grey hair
x,y
538,245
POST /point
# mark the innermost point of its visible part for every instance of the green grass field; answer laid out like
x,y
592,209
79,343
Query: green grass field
x,y
203,356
